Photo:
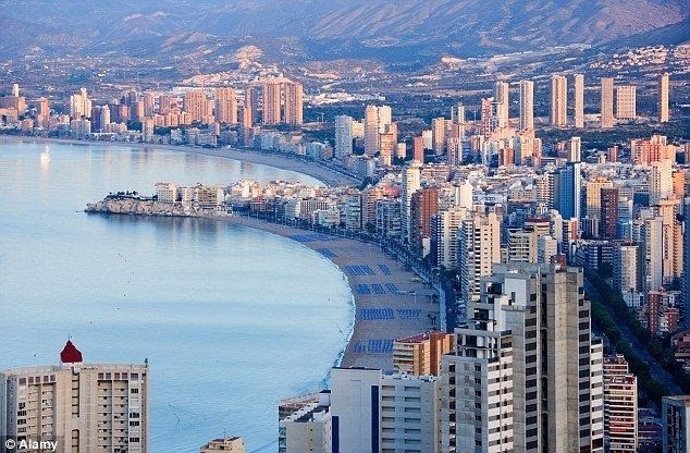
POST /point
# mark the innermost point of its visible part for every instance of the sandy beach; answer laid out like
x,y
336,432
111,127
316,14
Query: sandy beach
x,y
283,162
390,302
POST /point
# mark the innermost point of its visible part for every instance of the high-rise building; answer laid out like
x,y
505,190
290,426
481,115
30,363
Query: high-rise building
x,y
477,410
226,106
522,246
58,403
664,88
105,117
593,196
196,104
411,182
489,122
575,149
420,355
373,412
423,205
620,406
627,276
569,190
479,248
526,105
645,152
502,95
410,414
418,149
607,117
80,105
660,181
373,120
343,136
686,264
438,133
444,228
675,423
626,102
388,142
457,113
282,101
608,224
356,402
526,375
579,104
43,112
559,101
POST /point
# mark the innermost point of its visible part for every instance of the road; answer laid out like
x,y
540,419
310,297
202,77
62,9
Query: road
x,y
655,369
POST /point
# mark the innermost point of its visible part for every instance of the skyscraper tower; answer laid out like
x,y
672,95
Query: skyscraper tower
x,y
343,136
559,101
479,240
609,213
371,130
607,102
569,190
423,205
105,117
282,101
196,104
502,93
579,113
626,102
411,182
528,337
226,106
663,97
526,105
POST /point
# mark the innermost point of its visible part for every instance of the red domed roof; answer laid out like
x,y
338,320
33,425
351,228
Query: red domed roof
x,y
70,354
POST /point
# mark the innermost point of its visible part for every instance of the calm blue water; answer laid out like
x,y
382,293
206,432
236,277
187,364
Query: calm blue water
x,y
231,319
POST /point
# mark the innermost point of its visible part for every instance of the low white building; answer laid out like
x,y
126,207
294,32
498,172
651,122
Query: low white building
x,y
309,428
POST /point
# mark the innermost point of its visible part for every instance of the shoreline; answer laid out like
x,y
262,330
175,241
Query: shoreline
x,y
389,301
281,162
379,318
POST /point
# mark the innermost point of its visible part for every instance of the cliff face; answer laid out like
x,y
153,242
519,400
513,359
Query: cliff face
x,y
141,207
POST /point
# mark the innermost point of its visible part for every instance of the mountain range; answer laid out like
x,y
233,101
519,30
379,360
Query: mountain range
x,y
318,29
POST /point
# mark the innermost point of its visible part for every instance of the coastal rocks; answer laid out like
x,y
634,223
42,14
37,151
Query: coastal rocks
x,y
147,207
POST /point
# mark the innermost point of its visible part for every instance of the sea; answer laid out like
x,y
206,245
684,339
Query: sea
x,y
230,319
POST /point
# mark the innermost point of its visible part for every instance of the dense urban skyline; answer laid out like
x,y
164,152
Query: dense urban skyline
x,y
511,221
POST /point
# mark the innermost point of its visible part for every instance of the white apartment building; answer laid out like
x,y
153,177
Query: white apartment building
x,y
309,427
166,192
410,415
87,408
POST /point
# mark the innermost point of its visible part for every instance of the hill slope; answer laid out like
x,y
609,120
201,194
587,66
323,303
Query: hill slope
x,y
334,28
